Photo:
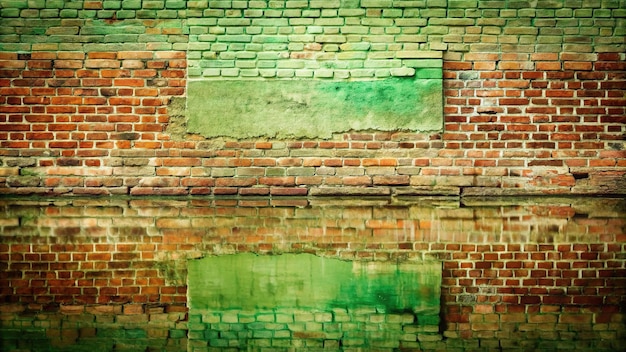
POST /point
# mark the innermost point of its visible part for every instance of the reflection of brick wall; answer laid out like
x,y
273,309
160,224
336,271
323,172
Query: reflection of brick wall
x,y
527,276
336,329
534,98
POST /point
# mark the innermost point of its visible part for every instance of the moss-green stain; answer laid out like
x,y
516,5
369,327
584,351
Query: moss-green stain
x,y
247,281
312,108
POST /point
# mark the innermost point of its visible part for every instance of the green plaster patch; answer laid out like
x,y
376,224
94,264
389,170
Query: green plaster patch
x,y
313,108
249,282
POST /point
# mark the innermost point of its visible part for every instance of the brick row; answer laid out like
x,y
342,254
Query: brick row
x,y
509,270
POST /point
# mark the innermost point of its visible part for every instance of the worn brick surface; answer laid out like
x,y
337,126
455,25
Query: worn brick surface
x,y
534,94
526,275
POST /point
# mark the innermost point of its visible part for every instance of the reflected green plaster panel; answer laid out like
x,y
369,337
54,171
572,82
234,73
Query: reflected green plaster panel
x,y
313,108
247,281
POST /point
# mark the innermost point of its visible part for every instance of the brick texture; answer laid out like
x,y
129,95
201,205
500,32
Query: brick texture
x,y
92,96
525,276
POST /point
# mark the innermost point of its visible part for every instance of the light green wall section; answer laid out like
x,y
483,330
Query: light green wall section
x,y
312,108
247,281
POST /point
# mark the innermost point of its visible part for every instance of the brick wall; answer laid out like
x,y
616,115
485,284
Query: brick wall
x,y
320,39
92,100
523,276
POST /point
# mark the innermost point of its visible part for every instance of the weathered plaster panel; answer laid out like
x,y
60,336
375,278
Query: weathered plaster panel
x,y
312,108
248,281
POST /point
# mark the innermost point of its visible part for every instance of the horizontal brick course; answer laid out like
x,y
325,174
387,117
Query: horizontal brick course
x,y
508,269
91,95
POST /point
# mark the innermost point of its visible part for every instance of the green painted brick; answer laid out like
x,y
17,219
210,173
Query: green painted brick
x,y
37,4
564,13
131,4
490,14
75,5
434,30
202,22
191,13
573,3
463,4
195,72
145,38
146,13
167,14
29,14
103,29
436,3
234,38
550,4
10,12
14,4
520,31
135,333
428,73
175,4
218,63
42,22
234,22
106,14
65,30
316,4
121,38
452,21
125,14
551,31
13,38
469,13
199,335
111,5
519,4
55,4
612,4
428,319
488,4
433,13
7,30
592,3
530,13
410,3
15,47
602,13
547,39
561,23
87,14
34,31
35,39
49,13
110,332
179,42
153,5
545,13
115,47
68,13
220,4
377,3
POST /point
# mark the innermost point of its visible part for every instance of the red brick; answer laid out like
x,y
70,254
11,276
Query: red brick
x,y
129,82
548,65
452,65
277,181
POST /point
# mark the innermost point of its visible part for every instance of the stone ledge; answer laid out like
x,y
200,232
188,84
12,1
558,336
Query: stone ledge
x,y
350,191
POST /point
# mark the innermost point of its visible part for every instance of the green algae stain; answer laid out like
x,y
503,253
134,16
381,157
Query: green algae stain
x,y
248,282
312,108
396,100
